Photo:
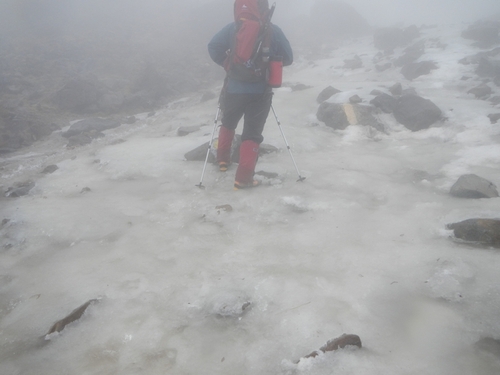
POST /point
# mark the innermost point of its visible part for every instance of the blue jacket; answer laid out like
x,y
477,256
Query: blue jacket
x,y
222,41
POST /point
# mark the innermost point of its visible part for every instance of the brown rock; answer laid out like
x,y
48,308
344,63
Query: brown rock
x,y
74,316
482,231
338,343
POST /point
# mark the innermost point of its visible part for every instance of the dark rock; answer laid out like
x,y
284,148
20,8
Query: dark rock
x,y
489,345
185,130
355,99
376,92
224,207
327,94
488,68
494,117
85,190
416,113
200,153
473,186
50,169
464,78
265,149
482,231
338,343
207,95
354,63
411,54
482,91
495,100
151,114
267,174
20,190
385,102
300,87
72,317
79,140
485,34
79,96
130,120
91,124
414,70
396,89
383,67
340,116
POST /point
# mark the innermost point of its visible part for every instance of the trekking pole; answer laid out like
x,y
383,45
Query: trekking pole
x,y
287,145
200,185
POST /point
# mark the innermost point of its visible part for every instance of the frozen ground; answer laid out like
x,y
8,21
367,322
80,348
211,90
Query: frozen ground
x,y
359,247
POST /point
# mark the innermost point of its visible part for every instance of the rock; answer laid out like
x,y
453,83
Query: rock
x,y
207,95
85,190
396,89
385,102
200,153
130,120
72,317
265,149
327,94
355,99
50,169
482,231
416,113
185,130
300,87
489,345
151,114
488,68
481,91
79,140
411,54
389,38
415,70
338,343
376,92
267,174
340,116
494,117
473,186
495,100
92,124
354,63
383,67
20,190
224,207
79,96
485,34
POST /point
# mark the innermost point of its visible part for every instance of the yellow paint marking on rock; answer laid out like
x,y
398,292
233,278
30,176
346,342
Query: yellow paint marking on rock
x,y
351,114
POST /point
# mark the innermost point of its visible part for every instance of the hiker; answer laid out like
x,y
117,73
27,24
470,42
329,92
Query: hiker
x,y
247,48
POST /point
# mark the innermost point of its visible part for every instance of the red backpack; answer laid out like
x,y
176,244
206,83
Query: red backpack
x,y
249,56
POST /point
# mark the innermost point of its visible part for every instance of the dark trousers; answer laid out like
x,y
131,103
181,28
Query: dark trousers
x,y
253,107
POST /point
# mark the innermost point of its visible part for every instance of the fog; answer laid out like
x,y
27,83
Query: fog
x,y
221,282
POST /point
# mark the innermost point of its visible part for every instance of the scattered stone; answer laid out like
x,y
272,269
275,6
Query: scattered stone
x,y
74,316
340,116
50,169
338,343
481,231
488,68
327,94
481,91
474,187
354,63
416,113
396,89
494,117
91,125
385,102
300,87
224,207
383,67
207,95
85,190
489,345
130,120
485,34
355,99
185,130
20,190
415,70
269,175
411,54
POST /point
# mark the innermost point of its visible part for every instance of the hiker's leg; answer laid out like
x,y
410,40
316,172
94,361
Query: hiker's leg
x,y
256,113
233,112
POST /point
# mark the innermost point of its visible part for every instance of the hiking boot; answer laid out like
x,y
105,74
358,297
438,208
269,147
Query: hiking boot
x,y
239,185
223,166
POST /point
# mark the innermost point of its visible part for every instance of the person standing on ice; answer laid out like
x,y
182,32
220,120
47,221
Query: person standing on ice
x,y
252,50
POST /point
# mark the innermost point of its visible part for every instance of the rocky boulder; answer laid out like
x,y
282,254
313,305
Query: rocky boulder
x,y
385,102
494,117
473,186
411,54
340,116
327,94
486,34
480,92
417,69
416,113
488,67
91,125
481,231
